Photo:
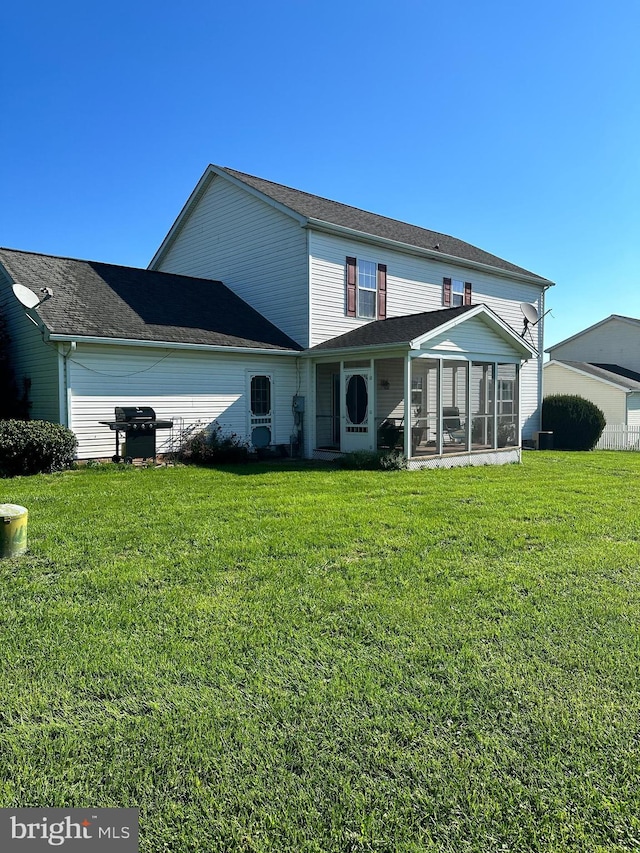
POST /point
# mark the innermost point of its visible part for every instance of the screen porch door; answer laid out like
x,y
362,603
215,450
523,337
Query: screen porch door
x,y
357,420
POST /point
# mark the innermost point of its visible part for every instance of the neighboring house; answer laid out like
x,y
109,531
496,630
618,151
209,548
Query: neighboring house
x,y
602,364
335,330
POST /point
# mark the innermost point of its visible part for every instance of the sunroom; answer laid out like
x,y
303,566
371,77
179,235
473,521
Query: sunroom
x,y
442,388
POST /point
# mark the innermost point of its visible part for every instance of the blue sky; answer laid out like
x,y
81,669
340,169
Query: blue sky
x,y
512,126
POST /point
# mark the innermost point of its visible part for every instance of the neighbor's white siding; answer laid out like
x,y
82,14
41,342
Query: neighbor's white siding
x,y
194,388
257,251
414,284
613,342
30,357
559,379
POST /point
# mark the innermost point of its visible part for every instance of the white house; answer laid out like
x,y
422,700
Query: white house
x,y
602,364
292,320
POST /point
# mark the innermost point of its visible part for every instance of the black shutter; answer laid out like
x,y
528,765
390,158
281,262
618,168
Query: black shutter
x,y
446,291
382,291
467,293
351,287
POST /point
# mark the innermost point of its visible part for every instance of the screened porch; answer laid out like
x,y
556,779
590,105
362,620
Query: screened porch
x,y
416,405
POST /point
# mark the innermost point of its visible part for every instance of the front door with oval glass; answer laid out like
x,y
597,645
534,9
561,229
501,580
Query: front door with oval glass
x,y
357,418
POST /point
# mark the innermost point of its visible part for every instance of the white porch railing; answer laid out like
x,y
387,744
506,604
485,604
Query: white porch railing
x,y
619,437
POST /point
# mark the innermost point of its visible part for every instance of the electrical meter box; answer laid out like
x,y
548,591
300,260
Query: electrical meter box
x,y
298,403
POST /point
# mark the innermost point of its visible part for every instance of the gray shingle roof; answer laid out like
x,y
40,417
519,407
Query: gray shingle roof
x,y
333,212
105,300
629,379
394,330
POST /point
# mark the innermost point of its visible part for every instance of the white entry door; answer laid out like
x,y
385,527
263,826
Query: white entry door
x,y
358,431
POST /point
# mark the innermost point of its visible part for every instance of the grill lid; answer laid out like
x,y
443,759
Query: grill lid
x,y
134,413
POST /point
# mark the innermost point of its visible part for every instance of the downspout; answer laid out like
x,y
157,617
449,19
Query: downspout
x,y
540,360
308,342
64,388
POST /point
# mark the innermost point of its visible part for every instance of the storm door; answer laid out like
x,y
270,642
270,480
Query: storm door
x,y
357,417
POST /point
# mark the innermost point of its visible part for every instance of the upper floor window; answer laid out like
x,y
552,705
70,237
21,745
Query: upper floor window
x,y
456,292
366,289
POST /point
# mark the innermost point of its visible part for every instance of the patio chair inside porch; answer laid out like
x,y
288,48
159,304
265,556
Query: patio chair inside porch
x,y
391,434
453,431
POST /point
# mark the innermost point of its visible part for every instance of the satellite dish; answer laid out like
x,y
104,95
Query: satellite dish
x,y
530,312
25,296
28,298
530,318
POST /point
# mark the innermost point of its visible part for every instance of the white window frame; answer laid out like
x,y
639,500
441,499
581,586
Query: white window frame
x,y
506,396
360,287
457,293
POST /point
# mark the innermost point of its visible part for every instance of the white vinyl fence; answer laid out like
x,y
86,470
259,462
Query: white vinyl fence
x,y
619,437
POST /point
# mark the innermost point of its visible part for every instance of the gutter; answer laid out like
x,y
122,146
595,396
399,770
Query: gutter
x,y
395,345
431,254
171,345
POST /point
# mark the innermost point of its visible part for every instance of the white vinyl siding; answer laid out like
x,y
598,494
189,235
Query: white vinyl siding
x,y
31,358
615,341
471,337
194,389
414,284
559,379
389,378
257,251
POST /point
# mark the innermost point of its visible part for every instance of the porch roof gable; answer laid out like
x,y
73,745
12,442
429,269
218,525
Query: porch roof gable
x,y
413,331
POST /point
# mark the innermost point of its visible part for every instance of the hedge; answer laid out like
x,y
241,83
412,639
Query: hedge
x,y
35,447
576,423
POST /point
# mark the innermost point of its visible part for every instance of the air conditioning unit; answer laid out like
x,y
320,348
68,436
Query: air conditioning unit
x,y
544,440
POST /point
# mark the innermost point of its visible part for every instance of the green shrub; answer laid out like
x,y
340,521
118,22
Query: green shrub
x,y
213,447
576,423
372,460
35,447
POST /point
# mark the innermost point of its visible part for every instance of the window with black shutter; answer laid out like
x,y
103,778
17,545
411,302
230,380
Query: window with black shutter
x,y
456,292
366,295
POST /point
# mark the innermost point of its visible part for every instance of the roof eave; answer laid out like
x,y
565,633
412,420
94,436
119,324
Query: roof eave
x,y
203,184
591,328
92,339
574,369
343,230
363,348
179,221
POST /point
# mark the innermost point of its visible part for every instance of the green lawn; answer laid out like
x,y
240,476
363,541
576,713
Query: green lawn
x,y
303,659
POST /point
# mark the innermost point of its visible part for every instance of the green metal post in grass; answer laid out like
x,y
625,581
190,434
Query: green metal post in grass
x,y
13,530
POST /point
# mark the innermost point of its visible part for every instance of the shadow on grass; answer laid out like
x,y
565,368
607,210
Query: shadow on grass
x,y
255,469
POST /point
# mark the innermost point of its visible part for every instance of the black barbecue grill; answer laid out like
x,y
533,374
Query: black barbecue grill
x,y
140,425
